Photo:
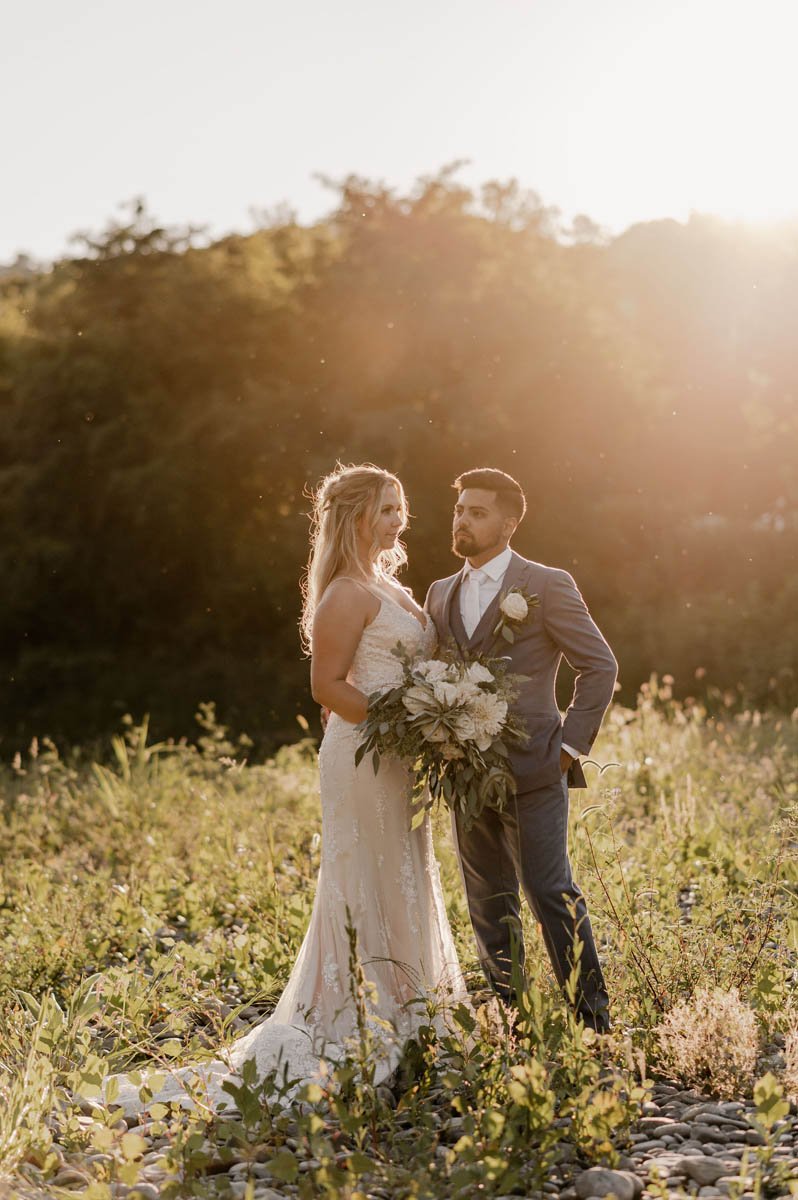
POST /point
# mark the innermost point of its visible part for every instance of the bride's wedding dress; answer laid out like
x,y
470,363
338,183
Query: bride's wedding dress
x,y
377,876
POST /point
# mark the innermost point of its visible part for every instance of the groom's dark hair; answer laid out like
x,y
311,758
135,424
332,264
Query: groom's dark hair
x,y
509,493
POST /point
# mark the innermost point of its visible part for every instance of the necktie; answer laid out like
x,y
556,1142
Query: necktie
x,y
472,610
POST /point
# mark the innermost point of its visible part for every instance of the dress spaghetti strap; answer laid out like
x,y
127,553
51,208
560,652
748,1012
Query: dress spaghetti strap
x,y
359,583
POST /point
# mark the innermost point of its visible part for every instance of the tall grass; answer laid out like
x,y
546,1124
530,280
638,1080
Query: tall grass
x,y
153,904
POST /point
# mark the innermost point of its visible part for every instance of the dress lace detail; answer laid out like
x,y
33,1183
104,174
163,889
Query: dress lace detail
x,y
380,872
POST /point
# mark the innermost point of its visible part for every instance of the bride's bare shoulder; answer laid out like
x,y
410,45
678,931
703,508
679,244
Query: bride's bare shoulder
x,y
347,595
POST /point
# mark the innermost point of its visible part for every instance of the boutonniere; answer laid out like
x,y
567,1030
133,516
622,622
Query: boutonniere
x,y
515,608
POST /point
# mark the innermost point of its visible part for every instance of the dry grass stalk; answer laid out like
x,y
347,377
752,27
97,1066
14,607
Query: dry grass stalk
x,y
710,1042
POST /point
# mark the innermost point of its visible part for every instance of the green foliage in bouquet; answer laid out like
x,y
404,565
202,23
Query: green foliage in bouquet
x,y
450,719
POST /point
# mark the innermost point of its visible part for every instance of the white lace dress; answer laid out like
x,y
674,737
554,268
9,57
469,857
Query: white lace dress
x,y
380,872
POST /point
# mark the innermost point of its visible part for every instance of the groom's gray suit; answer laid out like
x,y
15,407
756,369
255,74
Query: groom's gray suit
x,y
527,843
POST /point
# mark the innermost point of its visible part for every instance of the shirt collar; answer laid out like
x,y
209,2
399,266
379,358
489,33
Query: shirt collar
x,y
496,567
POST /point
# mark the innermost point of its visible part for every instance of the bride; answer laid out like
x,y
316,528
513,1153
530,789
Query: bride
x,y
377,877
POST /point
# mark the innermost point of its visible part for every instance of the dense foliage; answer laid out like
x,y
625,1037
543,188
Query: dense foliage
x,y
164,403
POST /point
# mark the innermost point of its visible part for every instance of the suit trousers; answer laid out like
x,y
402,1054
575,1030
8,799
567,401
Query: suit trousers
x,y
526,847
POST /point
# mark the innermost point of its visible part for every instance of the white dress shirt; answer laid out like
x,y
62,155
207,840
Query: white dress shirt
x,y
488,583
479,588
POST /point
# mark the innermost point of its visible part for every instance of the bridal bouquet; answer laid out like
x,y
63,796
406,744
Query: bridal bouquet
x,y
450,720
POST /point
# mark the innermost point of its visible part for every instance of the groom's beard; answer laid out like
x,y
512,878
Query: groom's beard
x,y
464,545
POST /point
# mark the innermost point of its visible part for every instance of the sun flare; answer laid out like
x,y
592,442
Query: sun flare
x,y
692,111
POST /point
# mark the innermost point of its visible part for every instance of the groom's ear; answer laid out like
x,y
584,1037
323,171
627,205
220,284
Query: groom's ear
x,y
510,526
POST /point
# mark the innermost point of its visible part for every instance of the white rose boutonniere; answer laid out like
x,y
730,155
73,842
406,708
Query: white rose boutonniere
x,y
515,608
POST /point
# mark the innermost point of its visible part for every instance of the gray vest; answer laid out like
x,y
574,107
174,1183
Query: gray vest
x,y
487,623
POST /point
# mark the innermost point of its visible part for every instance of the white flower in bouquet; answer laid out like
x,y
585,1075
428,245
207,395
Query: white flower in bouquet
x,y
432,669
515,607
463,726
489,714
467,692
447,694
417,700
476,673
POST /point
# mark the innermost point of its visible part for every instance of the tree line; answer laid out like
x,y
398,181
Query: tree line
x,y
167,399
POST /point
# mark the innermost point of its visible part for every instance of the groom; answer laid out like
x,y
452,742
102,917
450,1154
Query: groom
x,y
527,843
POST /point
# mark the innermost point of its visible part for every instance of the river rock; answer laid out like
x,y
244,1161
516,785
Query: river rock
x,y
70,1178
658,1123
678,1129
143,1191
601,1181
729,1185
704,1170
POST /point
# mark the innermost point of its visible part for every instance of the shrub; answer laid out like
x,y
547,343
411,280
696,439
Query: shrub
x,y
710,1041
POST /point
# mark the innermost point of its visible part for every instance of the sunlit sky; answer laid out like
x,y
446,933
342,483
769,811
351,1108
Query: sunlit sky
x,y
626,110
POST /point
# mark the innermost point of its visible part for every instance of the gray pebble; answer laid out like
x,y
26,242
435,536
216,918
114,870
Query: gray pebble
x,y
143,1191
681,1129
703,1171
600,1181
725,1122
70,1178
707,1133
730,1184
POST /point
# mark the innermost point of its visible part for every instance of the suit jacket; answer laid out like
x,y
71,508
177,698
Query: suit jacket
x,y
560,626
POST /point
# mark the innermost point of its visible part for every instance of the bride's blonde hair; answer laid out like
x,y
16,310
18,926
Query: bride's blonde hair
x,y
342,498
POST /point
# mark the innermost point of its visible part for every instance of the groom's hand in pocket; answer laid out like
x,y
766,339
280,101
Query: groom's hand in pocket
x,y
565,760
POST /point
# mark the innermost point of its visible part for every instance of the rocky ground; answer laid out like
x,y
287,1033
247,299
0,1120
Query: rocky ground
x,y
685,1144
695,1146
